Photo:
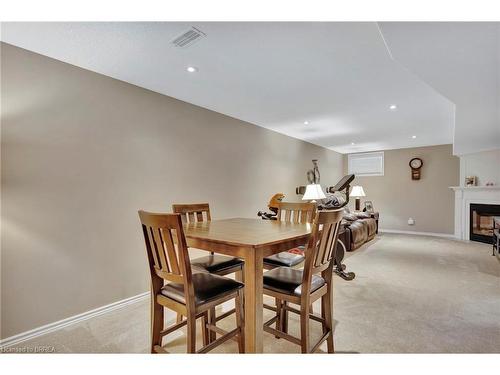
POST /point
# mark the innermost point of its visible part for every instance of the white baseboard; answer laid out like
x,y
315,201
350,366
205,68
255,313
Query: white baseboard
x,y
51,327
442,235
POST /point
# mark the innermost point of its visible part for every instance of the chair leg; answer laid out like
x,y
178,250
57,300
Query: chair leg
x,y
239,276
324,325
191,333
211,320
304,327
278,303
157,314
284,317
240,321
327,314
157,324
204,329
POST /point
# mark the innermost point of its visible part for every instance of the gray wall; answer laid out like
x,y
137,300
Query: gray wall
x,y
429,200
81,153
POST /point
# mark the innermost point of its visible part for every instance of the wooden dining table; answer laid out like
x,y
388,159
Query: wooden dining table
x,y
250,240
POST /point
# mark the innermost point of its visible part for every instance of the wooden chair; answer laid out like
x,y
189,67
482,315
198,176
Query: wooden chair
x,y
214,263
292,213
217,264
302,287
189,293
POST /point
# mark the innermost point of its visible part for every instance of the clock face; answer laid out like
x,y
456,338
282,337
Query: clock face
x,y
416,163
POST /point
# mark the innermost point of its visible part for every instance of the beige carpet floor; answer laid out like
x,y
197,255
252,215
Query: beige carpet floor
x,y
411,294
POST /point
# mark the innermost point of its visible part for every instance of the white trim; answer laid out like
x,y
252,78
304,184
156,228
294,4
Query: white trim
x,y
432,234
55,326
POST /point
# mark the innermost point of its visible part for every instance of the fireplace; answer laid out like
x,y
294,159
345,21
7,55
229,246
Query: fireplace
x,y
467,196
481,221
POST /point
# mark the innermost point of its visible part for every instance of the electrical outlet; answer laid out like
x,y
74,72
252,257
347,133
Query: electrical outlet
x,y
411,221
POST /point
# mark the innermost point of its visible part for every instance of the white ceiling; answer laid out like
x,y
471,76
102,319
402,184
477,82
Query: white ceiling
x,y
462,61
340,77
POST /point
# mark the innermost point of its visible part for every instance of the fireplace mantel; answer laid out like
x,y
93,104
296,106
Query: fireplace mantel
x,y
464,196
475,188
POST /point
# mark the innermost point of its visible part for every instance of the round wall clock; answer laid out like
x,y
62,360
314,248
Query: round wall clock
x,y
415,165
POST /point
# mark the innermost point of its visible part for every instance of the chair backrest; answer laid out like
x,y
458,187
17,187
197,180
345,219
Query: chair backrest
x,y
322,243
166,247
296,212
192,213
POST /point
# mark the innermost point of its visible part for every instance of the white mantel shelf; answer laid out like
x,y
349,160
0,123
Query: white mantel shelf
x,y
475,188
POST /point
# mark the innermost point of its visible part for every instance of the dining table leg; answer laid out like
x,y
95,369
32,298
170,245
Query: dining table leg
x,y
253,302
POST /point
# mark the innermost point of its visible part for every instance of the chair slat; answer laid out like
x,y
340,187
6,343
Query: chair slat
x,y
296,212
154,247
193,211
322,246
160,245
151,253
171,251
303,216
333,241
327,252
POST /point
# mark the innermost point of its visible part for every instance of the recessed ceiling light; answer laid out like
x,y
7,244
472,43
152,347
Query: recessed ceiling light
x,y
352,143
192,69
393,107
306,122
414,136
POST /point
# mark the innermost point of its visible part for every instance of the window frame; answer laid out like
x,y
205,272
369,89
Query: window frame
x,y
351,157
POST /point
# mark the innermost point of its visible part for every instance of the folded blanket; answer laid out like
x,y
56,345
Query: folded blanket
x,y
299,250
332,201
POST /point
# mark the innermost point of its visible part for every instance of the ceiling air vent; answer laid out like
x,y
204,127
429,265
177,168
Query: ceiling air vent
x,y
188,38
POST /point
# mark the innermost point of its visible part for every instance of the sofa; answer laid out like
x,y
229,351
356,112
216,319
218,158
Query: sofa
x,y
359,228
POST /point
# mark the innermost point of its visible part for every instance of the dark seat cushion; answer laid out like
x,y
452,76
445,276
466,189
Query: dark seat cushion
x,y
284,259
216,263
289,281
206,287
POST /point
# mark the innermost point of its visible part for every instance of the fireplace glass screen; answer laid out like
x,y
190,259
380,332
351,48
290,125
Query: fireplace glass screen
x,y
481,221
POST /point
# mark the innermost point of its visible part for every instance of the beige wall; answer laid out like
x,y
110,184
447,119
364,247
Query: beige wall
x,y
81,153
429,200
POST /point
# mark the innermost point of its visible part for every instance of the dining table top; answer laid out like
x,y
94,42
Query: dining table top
x,y
245,232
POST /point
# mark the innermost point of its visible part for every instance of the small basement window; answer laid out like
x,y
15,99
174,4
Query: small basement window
x,y
366,164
